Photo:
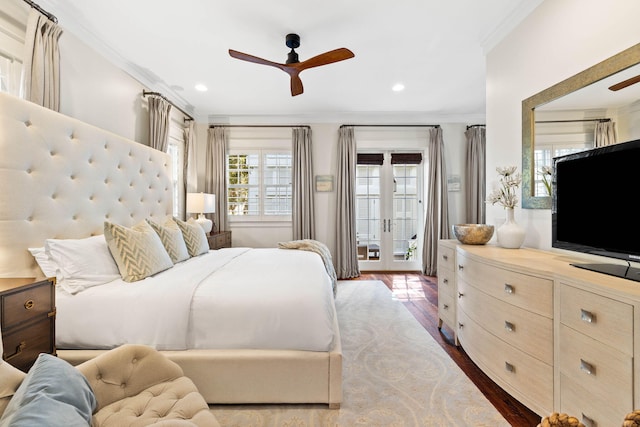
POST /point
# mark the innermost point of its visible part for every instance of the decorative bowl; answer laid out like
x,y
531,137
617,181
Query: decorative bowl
x,y
473,234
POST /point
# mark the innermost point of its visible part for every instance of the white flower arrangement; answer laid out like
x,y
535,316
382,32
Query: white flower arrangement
x,y
546,172
509,182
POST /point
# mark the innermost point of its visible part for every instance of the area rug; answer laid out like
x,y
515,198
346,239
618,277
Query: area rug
x,y
394,375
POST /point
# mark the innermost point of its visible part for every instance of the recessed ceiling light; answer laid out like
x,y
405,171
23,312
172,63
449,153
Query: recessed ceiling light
x,y
398,87
201,88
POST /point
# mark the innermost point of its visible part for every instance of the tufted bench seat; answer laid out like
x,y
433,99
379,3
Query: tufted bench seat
x,y
135,385
132,385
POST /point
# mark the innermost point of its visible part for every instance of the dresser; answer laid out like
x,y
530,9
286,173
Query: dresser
x,y
220,239
27,317
555,337
447,288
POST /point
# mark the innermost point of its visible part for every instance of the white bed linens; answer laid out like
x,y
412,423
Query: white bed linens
x,y
230,298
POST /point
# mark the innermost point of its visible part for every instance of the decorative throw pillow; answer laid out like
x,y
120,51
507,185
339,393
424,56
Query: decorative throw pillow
x,y
194,237
53,393
138,250
172,239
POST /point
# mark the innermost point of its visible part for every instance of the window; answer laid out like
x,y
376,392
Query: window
x,y
10,70
176,150
259,185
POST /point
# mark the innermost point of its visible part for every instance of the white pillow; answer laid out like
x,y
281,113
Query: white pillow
x,y
82,263
43,260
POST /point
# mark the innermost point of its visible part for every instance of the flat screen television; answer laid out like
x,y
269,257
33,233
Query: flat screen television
x,y
594,206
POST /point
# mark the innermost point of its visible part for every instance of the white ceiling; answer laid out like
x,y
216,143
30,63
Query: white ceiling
x,y
436,48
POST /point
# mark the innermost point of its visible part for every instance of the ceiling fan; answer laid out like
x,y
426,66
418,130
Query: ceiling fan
x,y
625,83
293,66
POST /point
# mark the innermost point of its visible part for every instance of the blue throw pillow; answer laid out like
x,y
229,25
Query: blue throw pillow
x,y
53,394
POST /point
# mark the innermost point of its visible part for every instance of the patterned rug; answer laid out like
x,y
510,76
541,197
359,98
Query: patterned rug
x,y
394,375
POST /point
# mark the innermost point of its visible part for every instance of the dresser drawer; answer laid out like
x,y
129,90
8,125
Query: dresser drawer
x,y
446,257
603,370
23,344
446,281
525,291
525,377
447,309
26,303
527,331
604,319
593,412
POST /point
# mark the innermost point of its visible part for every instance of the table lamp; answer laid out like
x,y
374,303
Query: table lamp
x,y
202,203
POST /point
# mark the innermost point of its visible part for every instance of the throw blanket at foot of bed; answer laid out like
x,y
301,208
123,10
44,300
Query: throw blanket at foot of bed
x,y
319,248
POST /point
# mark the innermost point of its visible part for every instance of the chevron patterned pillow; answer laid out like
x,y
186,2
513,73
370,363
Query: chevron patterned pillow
x,y
194,237
172,239
138,250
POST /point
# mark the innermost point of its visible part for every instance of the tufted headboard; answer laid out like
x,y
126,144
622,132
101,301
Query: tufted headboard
x,y
62,178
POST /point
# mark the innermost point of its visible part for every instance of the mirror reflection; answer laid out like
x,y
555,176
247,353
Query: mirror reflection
x,y
577,114
590,117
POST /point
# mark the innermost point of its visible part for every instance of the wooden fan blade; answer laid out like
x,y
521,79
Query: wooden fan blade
x,y
254,59
330,57
296,85
623,84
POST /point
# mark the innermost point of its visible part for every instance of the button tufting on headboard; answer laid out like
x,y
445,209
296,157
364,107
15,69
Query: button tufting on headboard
x,y
72,181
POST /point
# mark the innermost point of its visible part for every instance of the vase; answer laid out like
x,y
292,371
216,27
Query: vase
x,y
510,234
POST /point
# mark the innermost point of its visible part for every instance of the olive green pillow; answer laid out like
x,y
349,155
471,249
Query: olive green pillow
x,y
138,250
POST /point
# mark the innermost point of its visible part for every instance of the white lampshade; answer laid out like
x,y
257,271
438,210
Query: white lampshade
x,y
202,203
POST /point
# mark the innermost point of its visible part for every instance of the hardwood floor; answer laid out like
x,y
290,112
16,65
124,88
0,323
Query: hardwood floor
x,y
419,294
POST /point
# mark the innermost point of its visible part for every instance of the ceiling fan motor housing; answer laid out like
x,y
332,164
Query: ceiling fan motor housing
x,y
292,42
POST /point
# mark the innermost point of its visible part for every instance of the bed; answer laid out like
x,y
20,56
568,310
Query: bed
x,y
62,179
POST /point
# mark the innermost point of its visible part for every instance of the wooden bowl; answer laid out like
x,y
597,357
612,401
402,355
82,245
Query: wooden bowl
x,y
473,234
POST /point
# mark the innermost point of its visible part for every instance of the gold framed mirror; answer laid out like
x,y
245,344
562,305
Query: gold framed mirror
x,y
600,71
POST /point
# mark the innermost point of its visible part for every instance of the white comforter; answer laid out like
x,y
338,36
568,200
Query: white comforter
x,y
229,298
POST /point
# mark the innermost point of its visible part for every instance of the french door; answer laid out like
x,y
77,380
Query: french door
x,y
389,211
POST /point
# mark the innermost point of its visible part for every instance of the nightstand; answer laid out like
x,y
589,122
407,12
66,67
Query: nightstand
x,y
28,313
221,239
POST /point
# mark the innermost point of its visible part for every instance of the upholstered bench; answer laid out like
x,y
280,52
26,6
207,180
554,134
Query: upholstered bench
x,y
131,385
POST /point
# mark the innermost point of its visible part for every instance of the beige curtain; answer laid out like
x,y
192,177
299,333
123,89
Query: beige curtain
x,y
159,110
346,260
475,175
302,183
216,174
605,133
190,167
41,78
437,219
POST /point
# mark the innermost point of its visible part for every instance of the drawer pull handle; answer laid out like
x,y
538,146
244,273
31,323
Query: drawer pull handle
x,y
460,294
509,289
588,422
460,267
19,348
445,306
29,304
509,326
460,325
587,367
445,281
587,316
445,257
509,367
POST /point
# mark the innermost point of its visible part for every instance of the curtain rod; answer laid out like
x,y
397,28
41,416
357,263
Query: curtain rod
x,y
392,126
573,121
50,16
475,126
260,126
146,92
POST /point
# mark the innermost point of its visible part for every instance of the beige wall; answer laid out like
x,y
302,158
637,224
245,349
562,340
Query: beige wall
x,y
559,39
